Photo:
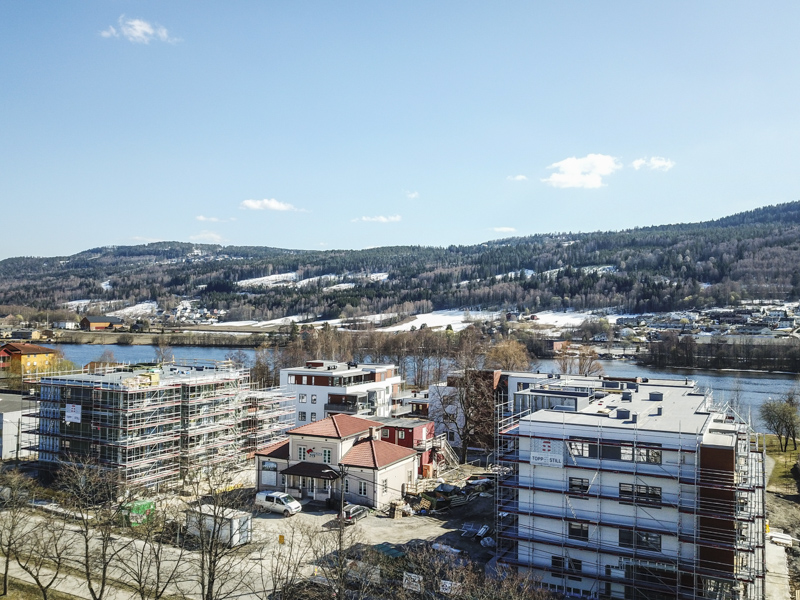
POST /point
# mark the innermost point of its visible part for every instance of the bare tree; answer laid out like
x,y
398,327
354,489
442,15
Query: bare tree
x,y
91,494
44,551
153,562
15,491
216,566
508,355
163,351
466,407
282,564
565,360
588,364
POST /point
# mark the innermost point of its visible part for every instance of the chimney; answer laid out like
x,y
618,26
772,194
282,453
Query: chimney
x,y
373,433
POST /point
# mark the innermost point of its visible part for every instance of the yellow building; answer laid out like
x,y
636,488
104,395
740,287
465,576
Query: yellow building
x,y
26,358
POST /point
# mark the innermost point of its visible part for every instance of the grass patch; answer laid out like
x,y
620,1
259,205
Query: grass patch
x,y
782,476
22,590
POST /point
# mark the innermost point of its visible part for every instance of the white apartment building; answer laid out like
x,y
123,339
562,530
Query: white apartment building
x,y
324,388
629,489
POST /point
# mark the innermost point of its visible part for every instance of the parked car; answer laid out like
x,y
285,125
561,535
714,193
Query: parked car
x,y
352,513
277,502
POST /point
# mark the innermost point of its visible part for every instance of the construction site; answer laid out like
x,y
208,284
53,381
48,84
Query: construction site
x,y
153,424
630,489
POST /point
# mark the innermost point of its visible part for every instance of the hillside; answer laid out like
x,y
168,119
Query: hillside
x,y
754,254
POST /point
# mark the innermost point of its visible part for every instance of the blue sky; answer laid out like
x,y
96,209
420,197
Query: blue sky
x,y
323,125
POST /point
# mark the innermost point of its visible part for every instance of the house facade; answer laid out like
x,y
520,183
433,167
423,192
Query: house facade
x,y
27,358
326,388
100,323
308,464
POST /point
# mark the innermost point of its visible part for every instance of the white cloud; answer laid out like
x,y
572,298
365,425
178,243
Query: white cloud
x,y
412,195
378,219
504,229
517,178
654,163
266,204
209,237
139,31
213,219
586,172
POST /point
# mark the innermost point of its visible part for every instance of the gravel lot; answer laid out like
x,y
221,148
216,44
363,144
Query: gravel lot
x,y
378,528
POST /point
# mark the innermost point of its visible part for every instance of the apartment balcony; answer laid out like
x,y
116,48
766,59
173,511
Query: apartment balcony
x,y
400,409
349,408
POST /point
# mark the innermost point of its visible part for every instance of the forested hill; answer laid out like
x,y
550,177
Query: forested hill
x,y
755,254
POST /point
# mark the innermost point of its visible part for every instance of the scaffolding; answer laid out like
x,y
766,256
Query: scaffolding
x,y
711,519
153,424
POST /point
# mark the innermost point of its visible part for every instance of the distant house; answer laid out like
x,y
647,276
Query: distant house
x,y
30,358
26,334
66,325
100,323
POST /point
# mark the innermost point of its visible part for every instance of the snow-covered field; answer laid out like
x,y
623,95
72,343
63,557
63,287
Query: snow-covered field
x,y
272,323
268,281
143,309
440,319
77,305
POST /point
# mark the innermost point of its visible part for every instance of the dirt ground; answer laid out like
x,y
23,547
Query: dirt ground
x,y
783,512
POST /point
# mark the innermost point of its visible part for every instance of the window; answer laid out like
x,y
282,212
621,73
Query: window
x,y
639,540
451,436
301,453
302,398
639,493
291,379
326,456
557,563
301,416
401,434
582,448
313,398
648,455
313,416
385,433
579,531
578,485
385,485
362,488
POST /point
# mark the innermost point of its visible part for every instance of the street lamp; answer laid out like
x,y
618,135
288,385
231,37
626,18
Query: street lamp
x,y
340,474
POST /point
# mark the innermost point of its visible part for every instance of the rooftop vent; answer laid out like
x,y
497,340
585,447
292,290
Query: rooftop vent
x,y
659,411
656,396
623,413
627,396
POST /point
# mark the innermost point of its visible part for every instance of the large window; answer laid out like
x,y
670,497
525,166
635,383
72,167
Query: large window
x,y
362,488
302,398
640,540
579,531
582,448
642,454
578,485
301,416
639,493
326,456
301,453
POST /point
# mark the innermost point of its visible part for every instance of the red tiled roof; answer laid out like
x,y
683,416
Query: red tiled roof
x,y
336,426
375,454
279,450
27,349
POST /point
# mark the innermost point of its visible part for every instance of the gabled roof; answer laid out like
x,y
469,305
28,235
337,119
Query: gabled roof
x,y
336,426
26,349
278,450
375,454
104,319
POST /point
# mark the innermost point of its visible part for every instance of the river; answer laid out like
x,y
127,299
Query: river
x,y
754,387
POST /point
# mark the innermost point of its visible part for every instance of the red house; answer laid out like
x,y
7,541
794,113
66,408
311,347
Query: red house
x,y
420,435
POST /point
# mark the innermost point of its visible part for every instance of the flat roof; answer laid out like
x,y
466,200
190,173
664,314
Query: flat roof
x,y
405,422
339,368
679,408
171,374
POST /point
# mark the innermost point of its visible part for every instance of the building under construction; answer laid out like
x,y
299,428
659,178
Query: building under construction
x,y
154,424
629,489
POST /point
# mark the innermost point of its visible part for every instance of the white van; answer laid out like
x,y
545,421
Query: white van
x,y
277,502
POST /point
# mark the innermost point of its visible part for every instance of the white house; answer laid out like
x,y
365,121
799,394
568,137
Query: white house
x,y
309,463
325,388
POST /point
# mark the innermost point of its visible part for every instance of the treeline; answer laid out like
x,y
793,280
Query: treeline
x,y
716,263
782,354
